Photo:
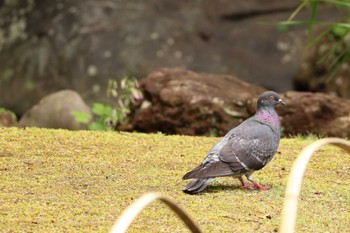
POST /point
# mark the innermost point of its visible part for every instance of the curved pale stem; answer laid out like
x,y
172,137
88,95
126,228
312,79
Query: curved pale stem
x,y
295,178
133,210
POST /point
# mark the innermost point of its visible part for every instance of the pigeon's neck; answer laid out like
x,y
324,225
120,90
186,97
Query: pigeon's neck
x,y
268,115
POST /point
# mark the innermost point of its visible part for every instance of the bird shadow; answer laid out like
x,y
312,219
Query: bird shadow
x,y
222,187
226,187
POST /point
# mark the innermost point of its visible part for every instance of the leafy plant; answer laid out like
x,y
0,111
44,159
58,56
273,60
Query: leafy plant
x,y
123,94
336,33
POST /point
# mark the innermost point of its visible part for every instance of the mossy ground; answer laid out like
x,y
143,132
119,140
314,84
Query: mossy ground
x,y
65,181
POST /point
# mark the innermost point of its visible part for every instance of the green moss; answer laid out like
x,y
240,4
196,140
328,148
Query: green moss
x,y
7,75
65,181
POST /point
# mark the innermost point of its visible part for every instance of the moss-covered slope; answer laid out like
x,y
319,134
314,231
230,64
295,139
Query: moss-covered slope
x,y
64,181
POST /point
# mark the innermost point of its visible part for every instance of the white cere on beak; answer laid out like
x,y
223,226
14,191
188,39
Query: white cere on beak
x,y
281,102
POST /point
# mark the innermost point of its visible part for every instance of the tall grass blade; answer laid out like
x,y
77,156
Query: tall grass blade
x,y
337,2
300,7
313,16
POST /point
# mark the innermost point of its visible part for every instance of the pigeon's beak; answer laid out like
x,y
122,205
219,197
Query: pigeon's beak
x,y
280,101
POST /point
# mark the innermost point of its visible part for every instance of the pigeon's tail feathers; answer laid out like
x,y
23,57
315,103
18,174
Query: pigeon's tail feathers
x,y
196,185
191,174
211,171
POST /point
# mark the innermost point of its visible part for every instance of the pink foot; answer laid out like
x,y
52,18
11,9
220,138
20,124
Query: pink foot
x,y
246,186
258,186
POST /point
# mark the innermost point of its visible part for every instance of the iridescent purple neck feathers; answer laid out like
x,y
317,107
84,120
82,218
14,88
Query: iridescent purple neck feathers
x,y
268,116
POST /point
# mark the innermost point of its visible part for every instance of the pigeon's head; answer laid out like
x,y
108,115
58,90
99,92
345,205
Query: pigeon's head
x,y
270,99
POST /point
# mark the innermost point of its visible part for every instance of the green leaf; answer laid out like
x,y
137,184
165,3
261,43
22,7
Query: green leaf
x,y
98,126
102,110
296,22
120,115
108,111
81,117
337,2
346,25
98,109
340,30
114,116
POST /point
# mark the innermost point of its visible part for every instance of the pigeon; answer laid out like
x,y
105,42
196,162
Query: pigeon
x,y
243,150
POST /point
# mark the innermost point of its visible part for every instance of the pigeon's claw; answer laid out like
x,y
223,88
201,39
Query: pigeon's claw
x,y
258,186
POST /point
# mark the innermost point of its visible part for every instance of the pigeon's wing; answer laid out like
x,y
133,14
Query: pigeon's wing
x,y
212,170
211,165
250,149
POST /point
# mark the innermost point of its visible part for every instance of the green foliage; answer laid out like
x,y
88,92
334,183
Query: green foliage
x,y
7,75
213,132
3,110
8,118
106,117
81,117
124,95
336,33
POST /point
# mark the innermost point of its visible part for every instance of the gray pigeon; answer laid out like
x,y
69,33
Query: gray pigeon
x,y
243,150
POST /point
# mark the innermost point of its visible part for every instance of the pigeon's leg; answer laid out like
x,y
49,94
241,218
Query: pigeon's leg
x,y
256,185
244,185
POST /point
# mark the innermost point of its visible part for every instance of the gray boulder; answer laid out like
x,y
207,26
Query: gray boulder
x,y
55,111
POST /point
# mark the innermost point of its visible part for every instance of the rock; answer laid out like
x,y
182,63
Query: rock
x,y
54,111
7,118
179,101
59,44
315,113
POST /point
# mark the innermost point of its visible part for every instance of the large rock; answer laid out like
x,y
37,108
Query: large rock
x,y
179,101
55,111
47,46
315,113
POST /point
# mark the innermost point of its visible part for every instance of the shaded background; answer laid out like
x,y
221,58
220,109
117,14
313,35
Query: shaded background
x,y
47,46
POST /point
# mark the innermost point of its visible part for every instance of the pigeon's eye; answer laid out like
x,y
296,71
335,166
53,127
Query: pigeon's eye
x,y
271,97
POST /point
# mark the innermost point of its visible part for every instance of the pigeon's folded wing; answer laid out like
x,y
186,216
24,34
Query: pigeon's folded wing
x,y
249,153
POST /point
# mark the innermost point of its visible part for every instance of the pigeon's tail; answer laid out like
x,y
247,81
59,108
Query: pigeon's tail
x,y
196,185
210,171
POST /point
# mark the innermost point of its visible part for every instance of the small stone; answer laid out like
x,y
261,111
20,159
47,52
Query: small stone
x,y
55,111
